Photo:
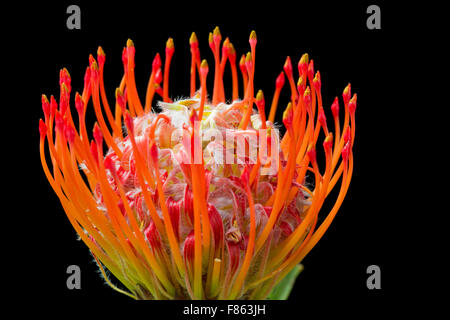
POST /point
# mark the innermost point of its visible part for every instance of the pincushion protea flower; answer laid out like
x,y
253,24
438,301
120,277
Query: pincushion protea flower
x,y
167,216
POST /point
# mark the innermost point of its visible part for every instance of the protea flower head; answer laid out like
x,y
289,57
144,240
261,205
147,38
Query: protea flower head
x,y
202,200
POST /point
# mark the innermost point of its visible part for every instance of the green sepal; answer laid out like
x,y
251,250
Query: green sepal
x,y
282,290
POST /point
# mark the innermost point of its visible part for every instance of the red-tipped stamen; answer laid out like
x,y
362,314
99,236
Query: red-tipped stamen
x,y
170,49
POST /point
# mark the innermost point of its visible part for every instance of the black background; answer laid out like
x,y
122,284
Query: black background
x,y
366,230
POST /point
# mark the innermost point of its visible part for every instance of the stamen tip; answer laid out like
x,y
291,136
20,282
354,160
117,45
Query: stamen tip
x,y
328,142
311,153
42,128
288,115
100,51
204,68
280,80
193,38
288,67
259,96
98,136
216,31
253,38
170,44
204,64
352,104
156,62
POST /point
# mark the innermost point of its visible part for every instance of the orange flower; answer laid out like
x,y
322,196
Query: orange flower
x,y
178,206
